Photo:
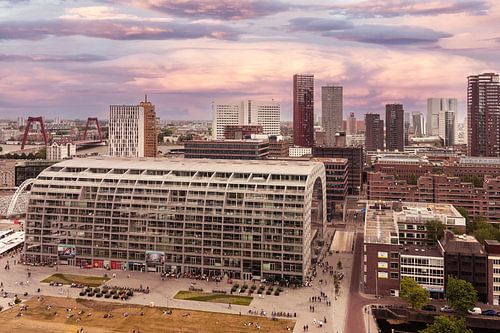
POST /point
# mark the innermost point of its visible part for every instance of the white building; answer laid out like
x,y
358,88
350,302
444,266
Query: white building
x,y
60,151
133,130
441,118
299,151
126,130
424,265
248,112
243,219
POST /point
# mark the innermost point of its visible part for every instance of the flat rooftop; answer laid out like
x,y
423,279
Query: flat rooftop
x,y
288,167
446,213
464,244
380,224
492,161
422,251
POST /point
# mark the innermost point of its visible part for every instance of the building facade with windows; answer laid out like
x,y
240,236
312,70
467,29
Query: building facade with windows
x,y
303,110
397,244
133,130
245,219
245,113
57,152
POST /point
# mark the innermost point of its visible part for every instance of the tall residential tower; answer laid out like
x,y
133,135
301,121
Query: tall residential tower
x,y
331,112
303,110
483,115
374,132
394,127
133,130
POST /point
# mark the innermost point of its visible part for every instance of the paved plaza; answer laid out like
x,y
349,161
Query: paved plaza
x,y
294,301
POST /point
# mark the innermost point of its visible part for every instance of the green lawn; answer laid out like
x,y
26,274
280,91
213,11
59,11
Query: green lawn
x,y
91,281
214,298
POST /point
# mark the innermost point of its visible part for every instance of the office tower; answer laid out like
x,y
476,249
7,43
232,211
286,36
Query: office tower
x,y
187,214
447,127
303,110
374,132
418,124
248,112
483,115
394,127
351,124
332,112
441,114
407,126
133,130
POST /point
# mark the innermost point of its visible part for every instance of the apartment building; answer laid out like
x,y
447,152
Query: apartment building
x,y
245,219
242,113
250,149
396,245
355,163
57,151
133,130
336,183
493,249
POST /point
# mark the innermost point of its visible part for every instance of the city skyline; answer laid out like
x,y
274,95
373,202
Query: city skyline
x,y
85,55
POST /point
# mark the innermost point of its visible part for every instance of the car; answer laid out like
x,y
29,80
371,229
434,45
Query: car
x,y
489,312
475,310
447,308
429,307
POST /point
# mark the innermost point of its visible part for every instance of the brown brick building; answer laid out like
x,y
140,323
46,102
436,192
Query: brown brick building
x,y
354,156
239,132
336,170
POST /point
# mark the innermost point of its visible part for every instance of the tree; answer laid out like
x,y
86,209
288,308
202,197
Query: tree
x,y
435,230
413,180
465,214
484,230
460,295
339,265
416,295
41,154
444,324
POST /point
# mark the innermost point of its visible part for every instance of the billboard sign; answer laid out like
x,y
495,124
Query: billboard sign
x,y
65,251
155,258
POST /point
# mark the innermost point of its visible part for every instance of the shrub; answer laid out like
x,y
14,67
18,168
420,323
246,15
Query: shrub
x,y
269,292
280,289
88,289
130,293
17,300
108,295
97,290
98,295
253,287
91,294
115,296
236,285
277,292
112,291
83,293
233,289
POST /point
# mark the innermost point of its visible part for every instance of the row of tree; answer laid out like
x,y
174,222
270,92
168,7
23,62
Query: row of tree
x,y
460,296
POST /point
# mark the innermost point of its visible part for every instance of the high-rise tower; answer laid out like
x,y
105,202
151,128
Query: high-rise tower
x,y
303,110
331,112
483,115
394,127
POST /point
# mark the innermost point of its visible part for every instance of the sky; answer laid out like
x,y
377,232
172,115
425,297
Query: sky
x,y
73,58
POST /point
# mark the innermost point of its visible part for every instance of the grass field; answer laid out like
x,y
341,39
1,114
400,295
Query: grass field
x,y
91,281
38,318
214,298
